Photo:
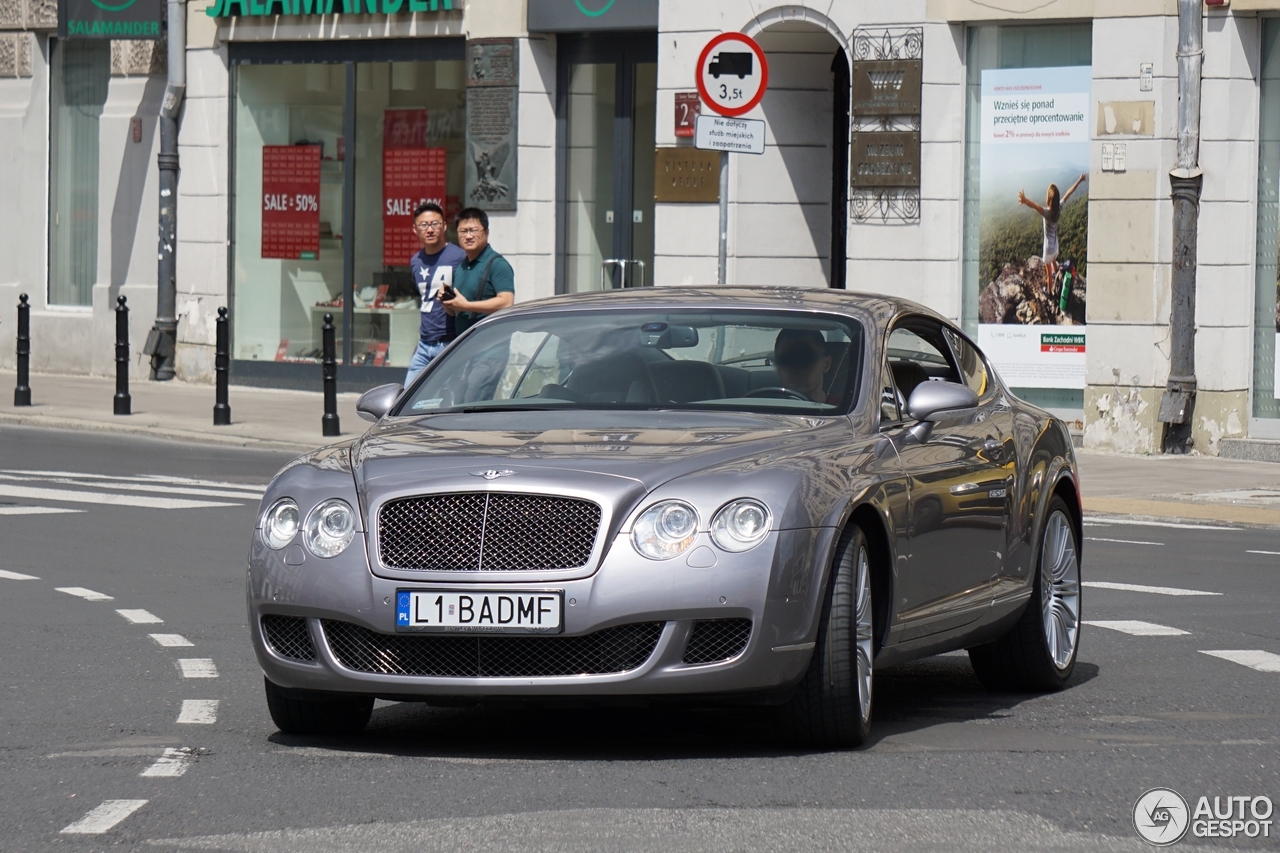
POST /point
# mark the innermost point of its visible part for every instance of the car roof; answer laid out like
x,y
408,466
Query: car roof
x,y
880,308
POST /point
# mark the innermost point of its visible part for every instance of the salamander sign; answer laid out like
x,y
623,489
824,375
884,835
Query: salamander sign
x,y
109,19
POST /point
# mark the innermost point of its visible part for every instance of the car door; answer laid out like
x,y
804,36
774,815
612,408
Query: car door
x,y
958,492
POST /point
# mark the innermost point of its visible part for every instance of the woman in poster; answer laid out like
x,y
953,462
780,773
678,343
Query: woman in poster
x,y
1051,211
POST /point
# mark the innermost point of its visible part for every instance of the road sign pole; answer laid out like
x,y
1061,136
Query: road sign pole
x,y
724,218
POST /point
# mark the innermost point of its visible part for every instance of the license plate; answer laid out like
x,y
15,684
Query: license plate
x,y
536,611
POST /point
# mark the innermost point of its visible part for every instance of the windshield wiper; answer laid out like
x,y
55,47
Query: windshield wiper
x,y
511,408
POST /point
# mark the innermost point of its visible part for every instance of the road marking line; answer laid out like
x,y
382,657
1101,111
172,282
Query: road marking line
x,y
86,594
17,576
145,478
1137,587
172,764
100,498
197,668
134,487
1138,628
1252,658
140,617
35,510
1121,541
1268,553
1103,521
171,640
104,817
199,711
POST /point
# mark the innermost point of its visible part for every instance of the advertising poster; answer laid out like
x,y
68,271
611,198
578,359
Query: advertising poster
x,y
291,202
1034,224
411,174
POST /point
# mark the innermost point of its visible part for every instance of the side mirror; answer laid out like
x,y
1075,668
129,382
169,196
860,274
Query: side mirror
x,y
376,402
929,399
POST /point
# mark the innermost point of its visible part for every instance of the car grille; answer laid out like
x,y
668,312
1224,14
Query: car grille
x,y
619,649
716,640
486,532
288,637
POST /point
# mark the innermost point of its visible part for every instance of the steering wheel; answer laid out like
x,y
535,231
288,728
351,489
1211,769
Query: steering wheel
x,y
777,392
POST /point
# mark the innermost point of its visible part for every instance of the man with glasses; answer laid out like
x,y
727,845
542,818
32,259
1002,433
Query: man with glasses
x,y
484,282
433,270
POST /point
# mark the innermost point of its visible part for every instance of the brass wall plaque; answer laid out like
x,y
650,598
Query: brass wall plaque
x,y
887,87
885,159
686,175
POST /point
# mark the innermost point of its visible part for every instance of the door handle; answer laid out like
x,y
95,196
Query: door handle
x,y
993,449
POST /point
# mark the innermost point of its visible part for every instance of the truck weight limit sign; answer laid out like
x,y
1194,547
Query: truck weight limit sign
x,y
732,74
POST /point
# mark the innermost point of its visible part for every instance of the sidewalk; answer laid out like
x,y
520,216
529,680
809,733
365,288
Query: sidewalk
x,y
1191,488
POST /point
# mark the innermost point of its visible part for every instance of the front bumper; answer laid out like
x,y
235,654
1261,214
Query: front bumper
x,y
777,586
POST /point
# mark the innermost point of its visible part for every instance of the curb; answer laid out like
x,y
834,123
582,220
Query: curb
x,y
1185,512
168,434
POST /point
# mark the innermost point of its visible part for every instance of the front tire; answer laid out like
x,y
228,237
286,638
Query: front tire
x,y
1039,653
321,716
831,707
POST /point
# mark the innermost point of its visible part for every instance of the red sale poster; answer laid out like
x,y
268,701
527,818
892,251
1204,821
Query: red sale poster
x,y
411,174
291,202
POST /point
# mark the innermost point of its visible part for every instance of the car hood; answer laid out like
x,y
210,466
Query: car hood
x,y
646,448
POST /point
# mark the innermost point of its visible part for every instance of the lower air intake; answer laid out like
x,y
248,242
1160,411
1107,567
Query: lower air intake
x,y
288,637
716,640
612,650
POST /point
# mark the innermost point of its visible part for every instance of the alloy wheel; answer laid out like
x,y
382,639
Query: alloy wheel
x,y
1060,589
863,633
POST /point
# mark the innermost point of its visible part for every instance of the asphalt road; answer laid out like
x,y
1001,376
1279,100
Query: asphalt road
x,y
91,706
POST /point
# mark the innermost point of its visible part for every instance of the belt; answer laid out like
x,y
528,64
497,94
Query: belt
x,y
439,341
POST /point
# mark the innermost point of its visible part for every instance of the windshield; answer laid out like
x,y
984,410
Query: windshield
x,y
748,361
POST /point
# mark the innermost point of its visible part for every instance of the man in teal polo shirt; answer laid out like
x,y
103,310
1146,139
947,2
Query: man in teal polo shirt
x,y
484,282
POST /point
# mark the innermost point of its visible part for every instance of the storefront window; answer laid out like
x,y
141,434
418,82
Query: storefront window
x,y
1022,81
81,71
1266,365
299,250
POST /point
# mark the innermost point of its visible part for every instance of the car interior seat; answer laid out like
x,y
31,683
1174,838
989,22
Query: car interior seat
x,y
619,378
687,381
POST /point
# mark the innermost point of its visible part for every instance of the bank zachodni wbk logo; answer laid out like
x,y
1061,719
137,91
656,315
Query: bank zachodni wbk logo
x,y
1161,816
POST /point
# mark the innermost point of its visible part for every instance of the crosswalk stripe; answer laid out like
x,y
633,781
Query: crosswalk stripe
x,y
36,510
1138,628
133,487
1104,520
104,498
172,764
1252,658
197,668
17,576
104,817
140,617
1137,587
171,640
199,711
86,594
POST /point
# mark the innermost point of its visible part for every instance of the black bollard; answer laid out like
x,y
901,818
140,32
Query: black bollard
x,y
221,363
329,367
22,393
123,402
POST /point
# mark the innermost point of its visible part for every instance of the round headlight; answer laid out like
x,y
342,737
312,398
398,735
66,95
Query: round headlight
x,y
740,525
330,528
665,530
280,524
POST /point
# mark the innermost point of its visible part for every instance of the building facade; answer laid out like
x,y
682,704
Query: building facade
x,y
310,127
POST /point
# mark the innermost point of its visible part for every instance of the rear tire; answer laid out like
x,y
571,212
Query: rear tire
x,y
831,707
322,716
1039,653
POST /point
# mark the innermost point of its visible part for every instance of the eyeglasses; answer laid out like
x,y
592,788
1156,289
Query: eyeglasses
x,y
470,232
428,226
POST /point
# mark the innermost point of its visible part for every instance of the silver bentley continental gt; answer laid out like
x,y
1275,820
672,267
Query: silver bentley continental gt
x,y
721,495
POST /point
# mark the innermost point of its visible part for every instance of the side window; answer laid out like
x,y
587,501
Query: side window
x,y
918,353
972,368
